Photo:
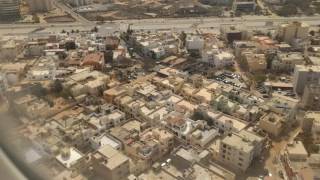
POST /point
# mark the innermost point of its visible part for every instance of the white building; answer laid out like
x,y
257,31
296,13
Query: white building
x,y
195,43
238,150
69,157
305,75
225,123
99,141
223,59
34,49
116,117
182,127
158,52
44,69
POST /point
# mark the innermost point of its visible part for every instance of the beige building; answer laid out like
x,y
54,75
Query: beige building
x,y
315,130
305,75
86,81
239,149
311,97
254,62
9,50
311,125
285,62
296,151
110,94
13,71
110,164
271,123
295,30
143,146
31,106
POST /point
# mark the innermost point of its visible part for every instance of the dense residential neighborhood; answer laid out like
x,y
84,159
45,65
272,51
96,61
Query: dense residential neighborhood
x,y
158,98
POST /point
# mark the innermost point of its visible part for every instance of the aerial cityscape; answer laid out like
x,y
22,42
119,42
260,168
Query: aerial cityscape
x,y
160,89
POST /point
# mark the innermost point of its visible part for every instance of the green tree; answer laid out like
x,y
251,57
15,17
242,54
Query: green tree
x,y
35,18
38,90
66,93
259,78
95,29
288,10
312,33
231,68
272,77
100,19
183,37
56,86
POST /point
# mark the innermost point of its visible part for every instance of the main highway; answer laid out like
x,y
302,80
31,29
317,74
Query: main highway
x,y
250,22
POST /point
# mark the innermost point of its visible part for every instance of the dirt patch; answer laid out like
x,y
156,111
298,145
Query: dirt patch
x,y
59,19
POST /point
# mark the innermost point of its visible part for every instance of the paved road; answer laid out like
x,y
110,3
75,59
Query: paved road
x,y
67,9
252,22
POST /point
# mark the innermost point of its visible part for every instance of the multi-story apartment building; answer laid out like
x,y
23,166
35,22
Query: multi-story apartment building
x,y
111,164
311,97
9,9
239,149
305,75
285,62
244,5
295,30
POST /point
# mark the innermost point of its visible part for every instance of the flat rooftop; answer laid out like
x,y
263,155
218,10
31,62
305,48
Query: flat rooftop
x,y
201,173
237,124
132,125
241,143
304,68
72,159
313,115
297,148
151,175
115,158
